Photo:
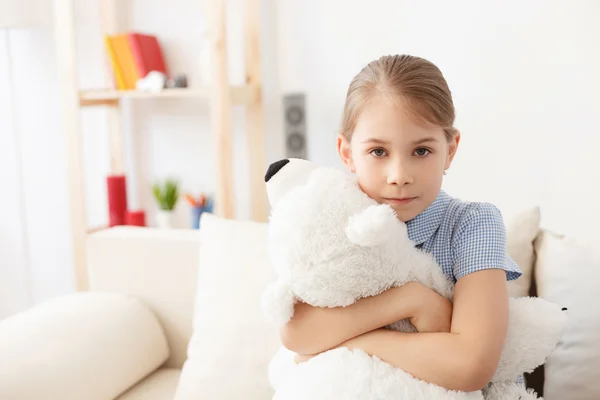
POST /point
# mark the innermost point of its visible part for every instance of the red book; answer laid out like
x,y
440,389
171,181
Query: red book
x,y
147,54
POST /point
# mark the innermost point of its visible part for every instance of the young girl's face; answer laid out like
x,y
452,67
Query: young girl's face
x,y
397,161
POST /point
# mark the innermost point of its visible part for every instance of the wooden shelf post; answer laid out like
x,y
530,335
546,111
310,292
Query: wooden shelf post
x,y
108,12
220,107
254,113
64,36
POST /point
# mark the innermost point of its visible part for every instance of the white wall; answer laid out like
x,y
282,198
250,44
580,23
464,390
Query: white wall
x,y
524,76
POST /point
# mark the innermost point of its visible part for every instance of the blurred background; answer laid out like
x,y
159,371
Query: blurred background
x,y
524,76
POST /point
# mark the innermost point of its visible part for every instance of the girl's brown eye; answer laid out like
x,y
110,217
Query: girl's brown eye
x,y
421,151
378,152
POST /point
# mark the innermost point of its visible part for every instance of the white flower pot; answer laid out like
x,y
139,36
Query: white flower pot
x,y
164,219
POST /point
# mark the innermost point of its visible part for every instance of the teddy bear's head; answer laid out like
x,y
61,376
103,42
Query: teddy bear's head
x,y
329,242
305,196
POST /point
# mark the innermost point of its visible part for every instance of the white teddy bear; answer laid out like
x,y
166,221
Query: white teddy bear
x,y
331,245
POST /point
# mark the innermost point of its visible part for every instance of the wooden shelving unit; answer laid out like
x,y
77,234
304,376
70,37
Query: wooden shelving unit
x,y
93,97
220,94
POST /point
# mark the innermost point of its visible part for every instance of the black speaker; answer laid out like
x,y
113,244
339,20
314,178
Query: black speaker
x,y
294,121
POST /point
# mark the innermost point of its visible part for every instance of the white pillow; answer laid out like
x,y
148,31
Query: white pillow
x,y
83,345
521,232
567,272
231,343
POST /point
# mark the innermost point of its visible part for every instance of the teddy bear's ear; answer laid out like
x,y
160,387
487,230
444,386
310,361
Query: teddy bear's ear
x,y
285,175
278,302
372,226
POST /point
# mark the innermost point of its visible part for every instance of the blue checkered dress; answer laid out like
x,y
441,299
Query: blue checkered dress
x,y
463,237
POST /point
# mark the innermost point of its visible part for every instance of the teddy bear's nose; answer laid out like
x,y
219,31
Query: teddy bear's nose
x,y
274,168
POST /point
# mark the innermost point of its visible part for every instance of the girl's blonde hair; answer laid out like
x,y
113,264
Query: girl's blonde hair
x,y
416,82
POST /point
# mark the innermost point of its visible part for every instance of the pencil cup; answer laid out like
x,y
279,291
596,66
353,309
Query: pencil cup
x,y
197,214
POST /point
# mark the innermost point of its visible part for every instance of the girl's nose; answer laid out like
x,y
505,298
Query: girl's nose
x,y
399,174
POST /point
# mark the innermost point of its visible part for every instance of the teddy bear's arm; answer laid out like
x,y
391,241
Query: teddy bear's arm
x,y
535,326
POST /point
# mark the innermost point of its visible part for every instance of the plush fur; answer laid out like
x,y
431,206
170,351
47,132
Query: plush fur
x,y
331,245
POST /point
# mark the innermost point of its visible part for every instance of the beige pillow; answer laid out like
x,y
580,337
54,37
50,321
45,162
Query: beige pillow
x,y
521,232
231,343
84,345
567,272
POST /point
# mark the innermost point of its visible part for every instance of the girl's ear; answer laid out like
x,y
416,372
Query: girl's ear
x,y
372,226
452,148
343,146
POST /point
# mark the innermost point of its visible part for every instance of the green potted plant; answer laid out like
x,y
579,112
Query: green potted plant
x,y
166,194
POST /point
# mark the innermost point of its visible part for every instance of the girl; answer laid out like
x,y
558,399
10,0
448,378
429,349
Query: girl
x,y
398,138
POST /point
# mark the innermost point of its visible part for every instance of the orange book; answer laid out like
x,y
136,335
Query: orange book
x,y
125,60
119,83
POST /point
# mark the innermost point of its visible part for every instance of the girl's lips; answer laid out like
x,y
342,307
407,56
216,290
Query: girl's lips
x,y
400,200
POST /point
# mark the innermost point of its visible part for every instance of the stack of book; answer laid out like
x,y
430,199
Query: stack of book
x,y
132,56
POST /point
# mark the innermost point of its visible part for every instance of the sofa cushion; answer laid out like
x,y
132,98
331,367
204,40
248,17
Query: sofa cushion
x,y
521,231
161,385
567,272
155,265
231,344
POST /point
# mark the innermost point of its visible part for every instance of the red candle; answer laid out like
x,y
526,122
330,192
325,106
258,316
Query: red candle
x,y
136,218
117,199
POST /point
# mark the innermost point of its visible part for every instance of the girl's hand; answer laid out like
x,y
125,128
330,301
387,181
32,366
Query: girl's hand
x,y
433,313
300,358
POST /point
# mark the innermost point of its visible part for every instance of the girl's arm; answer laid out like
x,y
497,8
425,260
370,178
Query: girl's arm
x,y
467,357
464,359
313,330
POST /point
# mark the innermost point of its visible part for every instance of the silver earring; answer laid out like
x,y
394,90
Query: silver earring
x,y
444,172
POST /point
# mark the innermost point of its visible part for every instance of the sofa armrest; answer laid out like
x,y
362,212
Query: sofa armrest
x,y
89,346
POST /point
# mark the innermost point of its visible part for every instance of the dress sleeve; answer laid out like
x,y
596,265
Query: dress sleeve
x,y
480,243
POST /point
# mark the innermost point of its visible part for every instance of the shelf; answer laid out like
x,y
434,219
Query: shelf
x,y
245,94
96,229
219,93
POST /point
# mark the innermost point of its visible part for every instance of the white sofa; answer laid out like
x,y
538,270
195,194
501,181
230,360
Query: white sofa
x,y
156,270
127,338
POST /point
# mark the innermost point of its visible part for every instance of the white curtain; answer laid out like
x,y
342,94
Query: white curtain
x,y
34,238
